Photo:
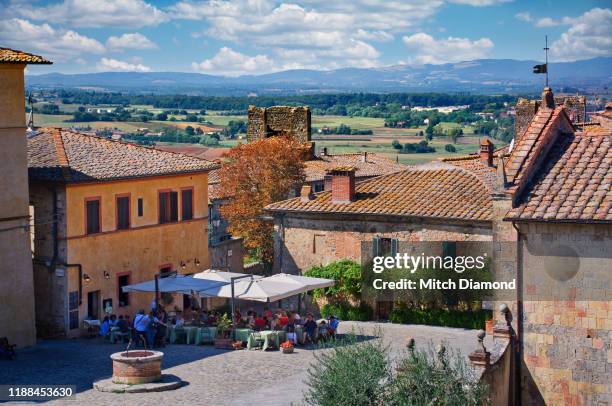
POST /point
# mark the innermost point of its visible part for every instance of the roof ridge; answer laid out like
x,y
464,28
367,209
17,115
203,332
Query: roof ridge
x,y
62,157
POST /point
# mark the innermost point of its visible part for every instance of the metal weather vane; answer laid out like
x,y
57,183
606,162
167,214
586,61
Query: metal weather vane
x,y
544,67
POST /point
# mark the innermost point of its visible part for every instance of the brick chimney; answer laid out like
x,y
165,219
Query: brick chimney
x,y
327,185
306,193
342,184
548,99
486,152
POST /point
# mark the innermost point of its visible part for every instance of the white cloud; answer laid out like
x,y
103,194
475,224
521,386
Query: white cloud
x,y
96,13
114,65
589,36
231,63
380,36
430,50
59,45
130,41
524,16
322,34
479,3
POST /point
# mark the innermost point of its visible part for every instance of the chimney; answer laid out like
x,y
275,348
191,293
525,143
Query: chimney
x,y
364,157
324,151
342,184
486,152
548,99
306,193
327,186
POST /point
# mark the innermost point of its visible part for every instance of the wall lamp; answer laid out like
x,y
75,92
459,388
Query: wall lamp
x,y
106,275
86,278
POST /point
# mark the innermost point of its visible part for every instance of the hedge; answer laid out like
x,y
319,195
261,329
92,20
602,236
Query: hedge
x,y
441,317
348,312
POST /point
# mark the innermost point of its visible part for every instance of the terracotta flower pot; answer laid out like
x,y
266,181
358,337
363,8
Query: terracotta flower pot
x,y
287,350
489,326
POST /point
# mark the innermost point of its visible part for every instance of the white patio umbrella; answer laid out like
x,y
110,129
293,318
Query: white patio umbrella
x,y
221,276
308,283
259,289
178,284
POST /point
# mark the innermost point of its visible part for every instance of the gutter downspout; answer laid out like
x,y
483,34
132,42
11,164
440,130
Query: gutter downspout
x,y
519,313
55,260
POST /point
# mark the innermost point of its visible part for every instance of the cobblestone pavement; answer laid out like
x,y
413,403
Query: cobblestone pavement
x,y
214,377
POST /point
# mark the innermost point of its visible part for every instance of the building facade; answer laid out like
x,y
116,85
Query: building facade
x,y
110,214
557,190
16,284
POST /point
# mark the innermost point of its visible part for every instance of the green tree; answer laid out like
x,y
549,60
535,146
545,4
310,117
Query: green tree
x,y
396,144
450,148
161,117
189,130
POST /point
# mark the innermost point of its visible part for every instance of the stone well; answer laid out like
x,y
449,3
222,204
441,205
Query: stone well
x,y
137,367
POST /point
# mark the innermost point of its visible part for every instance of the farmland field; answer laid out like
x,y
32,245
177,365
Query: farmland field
x,y
378,142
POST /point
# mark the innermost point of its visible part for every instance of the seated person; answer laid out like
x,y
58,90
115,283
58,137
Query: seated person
x,y
274,324
212,318
323,327
179,321
105,327
204,318
260,323
283,319
310,329
112,321
290,330
122,325
333,325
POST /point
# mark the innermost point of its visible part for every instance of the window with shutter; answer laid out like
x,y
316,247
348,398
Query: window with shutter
x,y
168,207
123,212
186,204
92,215
376,246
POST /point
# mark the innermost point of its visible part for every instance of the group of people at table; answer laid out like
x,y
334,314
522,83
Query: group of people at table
x,y
157,327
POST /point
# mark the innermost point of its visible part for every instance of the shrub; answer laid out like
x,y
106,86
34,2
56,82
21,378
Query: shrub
x,y
349,374
344,311
426,378
440,317
450,148
347,275
359,373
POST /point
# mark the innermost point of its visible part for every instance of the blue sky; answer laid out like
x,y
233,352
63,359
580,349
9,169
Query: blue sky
x,y
261,36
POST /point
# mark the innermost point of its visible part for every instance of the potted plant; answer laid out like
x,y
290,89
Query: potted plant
x,y
237,345
223,340
287,347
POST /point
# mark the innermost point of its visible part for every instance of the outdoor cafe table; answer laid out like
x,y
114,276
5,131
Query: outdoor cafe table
x,y
242,334
270,338
190,333
199,338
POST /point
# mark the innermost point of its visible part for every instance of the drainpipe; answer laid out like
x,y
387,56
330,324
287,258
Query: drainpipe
x,y
55,260
519,314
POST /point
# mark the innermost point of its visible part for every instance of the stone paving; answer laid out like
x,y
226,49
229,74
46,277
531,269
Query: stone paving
x,y
214,377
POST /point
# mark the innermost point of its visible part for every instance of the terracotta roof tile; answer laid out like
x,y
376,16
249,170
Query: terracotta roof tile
x,y
437,190
573,184
64,156
8,55
366,165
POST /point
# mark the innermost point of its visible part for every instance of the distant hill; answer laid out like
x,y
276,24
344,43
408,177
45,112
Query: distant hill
x,y
479,76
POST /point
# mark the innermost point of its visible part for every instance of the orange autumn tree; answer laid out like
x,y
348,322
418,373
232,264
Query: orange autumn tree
x,y
255,175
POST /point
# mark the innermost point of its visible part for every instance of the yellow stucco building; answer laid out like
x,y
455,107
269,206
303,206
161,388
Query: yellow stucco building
x,y
16,283
109,214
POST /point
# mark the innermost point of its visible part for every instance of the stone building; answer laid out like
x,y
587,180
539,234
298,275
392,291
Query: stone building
x,y
110,214
442,201
575,109
557,199
226,251
367,166
16,284
264,122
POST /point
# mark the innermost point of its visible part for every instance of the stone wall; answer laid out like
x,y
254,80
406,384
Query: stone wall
x,y
525,110
567,313
227,255
575,107
264,122
303,242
